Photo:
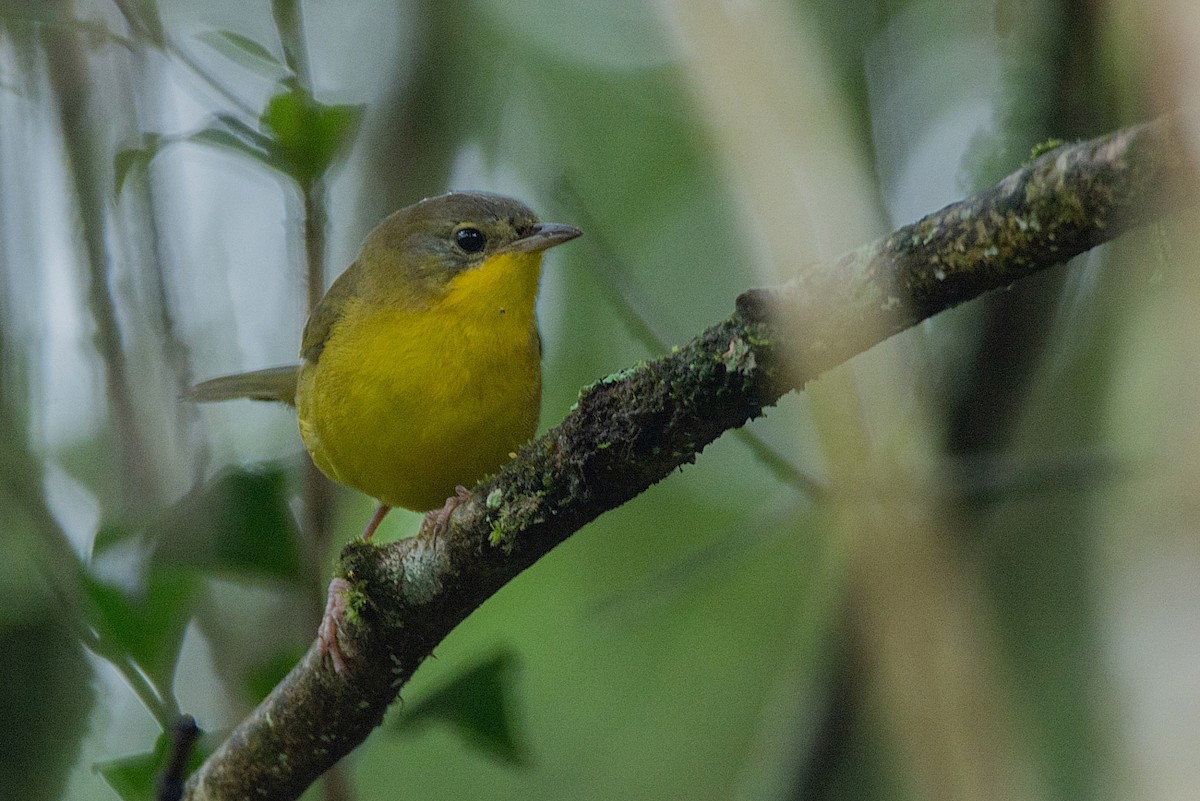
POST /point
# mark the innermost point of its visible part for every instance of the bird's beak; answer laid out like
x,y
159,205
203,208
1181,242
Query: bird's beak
x,y
545,235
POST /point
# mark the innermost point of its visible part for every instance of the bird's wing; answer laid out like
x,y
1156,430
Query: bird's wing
x,y
328,312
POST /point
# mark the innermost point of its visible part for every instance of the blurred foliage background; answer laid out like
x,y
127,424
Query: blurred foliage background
x,y
994,594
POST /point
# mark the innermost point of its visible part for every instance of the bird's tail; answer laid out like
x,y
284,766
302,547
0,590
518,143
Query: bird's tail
x,y
271,384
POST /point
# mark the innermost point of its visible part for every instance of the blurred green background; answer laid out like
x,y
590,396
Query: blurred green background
x,y
994,595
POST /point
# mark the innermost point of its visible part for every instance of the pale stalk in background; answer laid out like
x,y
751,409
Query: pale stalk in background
x,y
71,82
926,644
1149,560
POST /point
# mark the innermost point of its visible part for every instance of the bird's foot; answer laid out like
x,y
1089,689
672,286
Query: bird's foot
x,y
436,522
331,625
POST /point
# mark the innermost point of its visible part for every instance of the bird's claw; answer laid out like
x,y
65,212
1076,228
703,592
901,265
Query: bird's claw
x,y
437,521
331,625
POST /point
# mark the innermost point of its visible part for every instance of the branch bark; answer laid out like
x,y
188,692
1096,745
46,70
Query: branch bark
x,y
633,429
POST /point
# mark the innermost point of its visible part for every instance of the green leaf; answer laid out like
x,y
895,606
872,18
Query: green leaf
x,y
238,523
307,135
244,51
300,137
147,626
135,778
137,158
128,160
110,536
47,693
227,133
478,705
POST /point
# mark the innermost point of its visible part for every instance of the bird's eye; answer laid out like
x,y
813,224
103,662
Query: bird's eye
x,y
471,240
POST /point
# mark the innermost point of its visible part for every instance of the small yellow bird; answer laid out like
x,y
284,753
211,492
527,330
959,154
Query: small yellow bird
x,y
421,366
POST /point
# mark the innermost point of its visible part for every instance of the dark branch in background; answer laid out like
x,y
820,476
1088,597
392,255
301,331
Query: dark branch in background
x,y
633,429
836,715
184,733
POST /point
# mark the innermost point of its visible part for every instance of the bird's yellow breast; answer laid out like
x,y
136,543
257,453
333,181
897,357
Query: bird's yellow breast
x,y
406,403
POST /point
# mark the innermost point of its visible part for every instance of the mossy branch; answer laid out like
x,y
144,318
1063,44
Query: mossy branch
x,y
633,429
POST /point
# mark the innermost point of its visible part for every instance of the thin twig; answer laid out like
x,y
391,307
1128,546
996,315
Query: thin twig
x,y
161,39
184,733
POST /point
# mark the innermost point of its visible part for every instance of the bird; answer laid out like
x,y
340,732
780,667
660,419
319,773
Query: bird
x,y
420,367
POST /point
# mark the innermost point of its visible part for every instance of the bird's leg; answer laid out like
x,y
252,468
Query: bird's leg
x,y
376,519
331,624
437,521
